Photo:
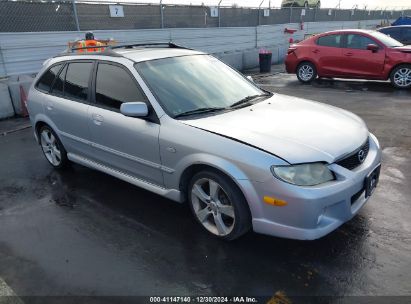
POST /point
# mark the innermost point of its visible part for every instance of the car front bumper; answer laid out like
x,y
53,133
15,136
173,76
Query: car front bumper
x,y
312,212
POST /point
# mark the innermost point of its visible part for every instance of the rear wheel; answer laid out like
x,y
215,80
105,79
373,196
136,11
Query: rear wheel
x,y
306,72
52,148
401,77
218,205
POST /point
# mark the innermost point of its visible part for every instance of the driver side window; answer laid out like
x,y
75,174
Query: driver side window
x,y
358,42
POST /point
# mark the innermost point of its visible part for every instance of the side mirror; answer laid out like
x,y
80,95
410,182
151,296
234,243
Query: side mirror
x,y
373,47
134,109
250,78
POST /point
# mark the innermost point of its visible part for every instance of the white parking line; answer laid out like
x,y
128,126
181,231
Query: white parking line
x,y
7,295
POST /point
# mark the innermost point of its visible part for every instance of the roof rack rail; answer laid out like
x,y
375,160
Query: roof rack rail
x,y
167,44
107,51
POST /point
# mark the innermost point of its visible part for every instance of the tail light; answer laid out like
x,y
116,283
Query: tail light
x,y
291,50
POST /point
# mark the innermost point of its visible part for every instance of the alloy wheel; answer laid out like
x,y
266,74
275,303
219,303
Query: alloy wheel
x,y
402,77
213,207
306,72
50,147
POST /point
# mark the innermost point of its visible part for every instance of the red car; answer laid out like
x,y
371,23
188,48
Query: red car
x,y
357,54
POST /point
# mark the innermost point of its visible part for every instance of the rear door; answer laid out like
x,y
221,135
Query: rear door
x,y
128,144
359,62
327,53
68,103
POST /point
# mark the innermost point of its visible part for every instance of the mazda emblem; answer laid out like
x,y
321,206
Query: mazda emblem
x,y
361,156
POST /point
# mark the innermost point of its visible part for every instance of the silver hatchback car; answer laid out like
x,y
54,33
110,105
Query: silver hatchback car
x,y
184,125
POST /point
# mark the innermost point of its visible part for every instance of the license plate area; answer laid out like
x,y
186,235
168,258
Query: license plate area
x,y
371,181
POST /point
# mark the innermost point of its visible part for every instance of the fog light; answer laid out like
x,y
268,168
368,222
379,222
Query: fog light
x,y
274,201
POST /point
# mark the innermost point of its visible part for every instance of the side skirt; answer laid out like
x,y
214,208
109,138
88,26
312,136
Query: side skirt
x,y
172,194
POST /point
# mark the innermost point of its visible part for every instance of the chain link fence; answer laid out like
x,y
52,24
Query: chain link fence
x,y
57,15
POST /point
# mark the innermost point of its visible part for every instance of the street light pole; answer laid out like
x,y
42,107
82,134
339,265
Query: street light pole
x,y
161,14
259,11
219,18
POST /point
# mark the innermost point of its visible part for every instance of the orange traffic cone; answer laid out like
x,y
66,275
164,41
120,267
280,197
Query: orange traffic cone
x,y
23,102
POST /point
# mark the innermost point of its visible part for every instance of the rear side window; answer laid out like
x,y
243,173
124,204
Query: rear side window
x,y
358,42
330,41
77,79
114,85
48,77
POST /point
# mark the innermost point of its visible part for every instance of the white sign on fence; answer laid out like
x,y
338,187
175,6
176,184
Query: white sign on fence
x,y
116,11
266,13
214,11
303,12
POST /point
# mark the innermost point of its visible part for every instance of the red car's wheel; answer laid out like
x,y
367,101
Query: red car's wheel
x,y
306,72
401,77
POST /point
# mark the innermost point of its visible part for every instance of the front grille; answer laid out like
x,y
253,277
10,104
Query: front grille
x,y
352,161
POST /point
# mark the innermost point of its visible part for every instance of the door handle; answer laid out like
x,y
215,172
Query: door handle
x,y
349,54
97,119
316,51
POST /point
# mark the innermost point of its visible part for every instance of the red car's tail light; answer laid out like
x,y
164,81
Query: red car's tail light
x,y
291,50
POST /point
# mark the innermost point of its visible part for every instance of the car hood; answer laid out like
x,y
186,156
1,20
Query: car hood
x,y
297,130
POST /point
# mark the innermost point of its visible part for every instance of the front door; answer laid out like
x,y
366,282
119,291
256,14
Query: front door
x,y
127,144
359,62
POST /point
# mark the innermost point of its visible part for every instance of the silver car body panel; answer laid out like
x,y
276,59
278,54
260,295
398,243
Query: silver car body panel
x,y
243,144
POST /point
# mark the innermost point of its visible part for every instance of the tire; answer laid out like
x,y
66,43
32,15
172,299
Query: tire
x,y
306,72
401,76
223,214
52,148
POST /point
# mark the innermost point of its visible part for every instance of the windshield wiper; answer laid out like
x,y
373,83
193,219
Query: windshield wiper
x,y
200,111
246,100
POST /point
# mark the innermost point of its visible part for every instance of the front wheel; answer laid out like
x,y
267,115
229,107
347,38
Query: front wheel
x,y
218,205
401,77
52,148
306,72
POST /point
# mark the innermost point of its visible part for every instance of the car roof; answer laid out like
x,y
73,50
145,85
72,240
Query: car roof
x,y
394,26
135,54
349,31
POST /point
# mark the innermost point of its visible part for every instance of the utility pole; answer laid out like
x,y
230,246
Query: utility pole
x,y
161,14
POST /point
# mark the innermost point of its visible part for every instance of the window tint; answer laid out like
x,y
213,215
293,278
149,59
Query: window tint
x,y
59,83
329,40
406,34
360,42
47,79
77,77
115,86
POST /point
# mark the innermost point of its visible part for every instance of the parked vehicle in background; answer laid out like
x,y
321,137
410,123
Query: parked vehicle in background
x,y
186,126
402,33
301,3
353,54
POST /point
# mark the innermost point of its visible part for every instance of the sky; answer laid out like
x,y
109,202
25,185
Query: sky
x,y
371,4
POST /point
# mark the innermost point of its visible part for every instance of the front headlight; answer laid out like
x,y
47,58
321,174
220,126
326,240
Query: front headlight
x,y
304,175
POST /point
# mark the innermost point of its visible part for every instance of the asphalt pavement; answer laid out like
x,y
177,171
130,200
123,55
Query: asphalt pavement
x,y
80,232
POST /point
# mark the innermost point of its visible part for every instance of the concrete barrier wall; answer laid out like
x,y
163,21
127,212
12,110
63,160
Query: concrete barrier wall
x,y
24,53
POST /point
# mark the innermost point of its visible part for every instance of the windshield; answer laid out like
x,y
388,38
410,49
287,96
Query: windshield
x,y
189,83
387,40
